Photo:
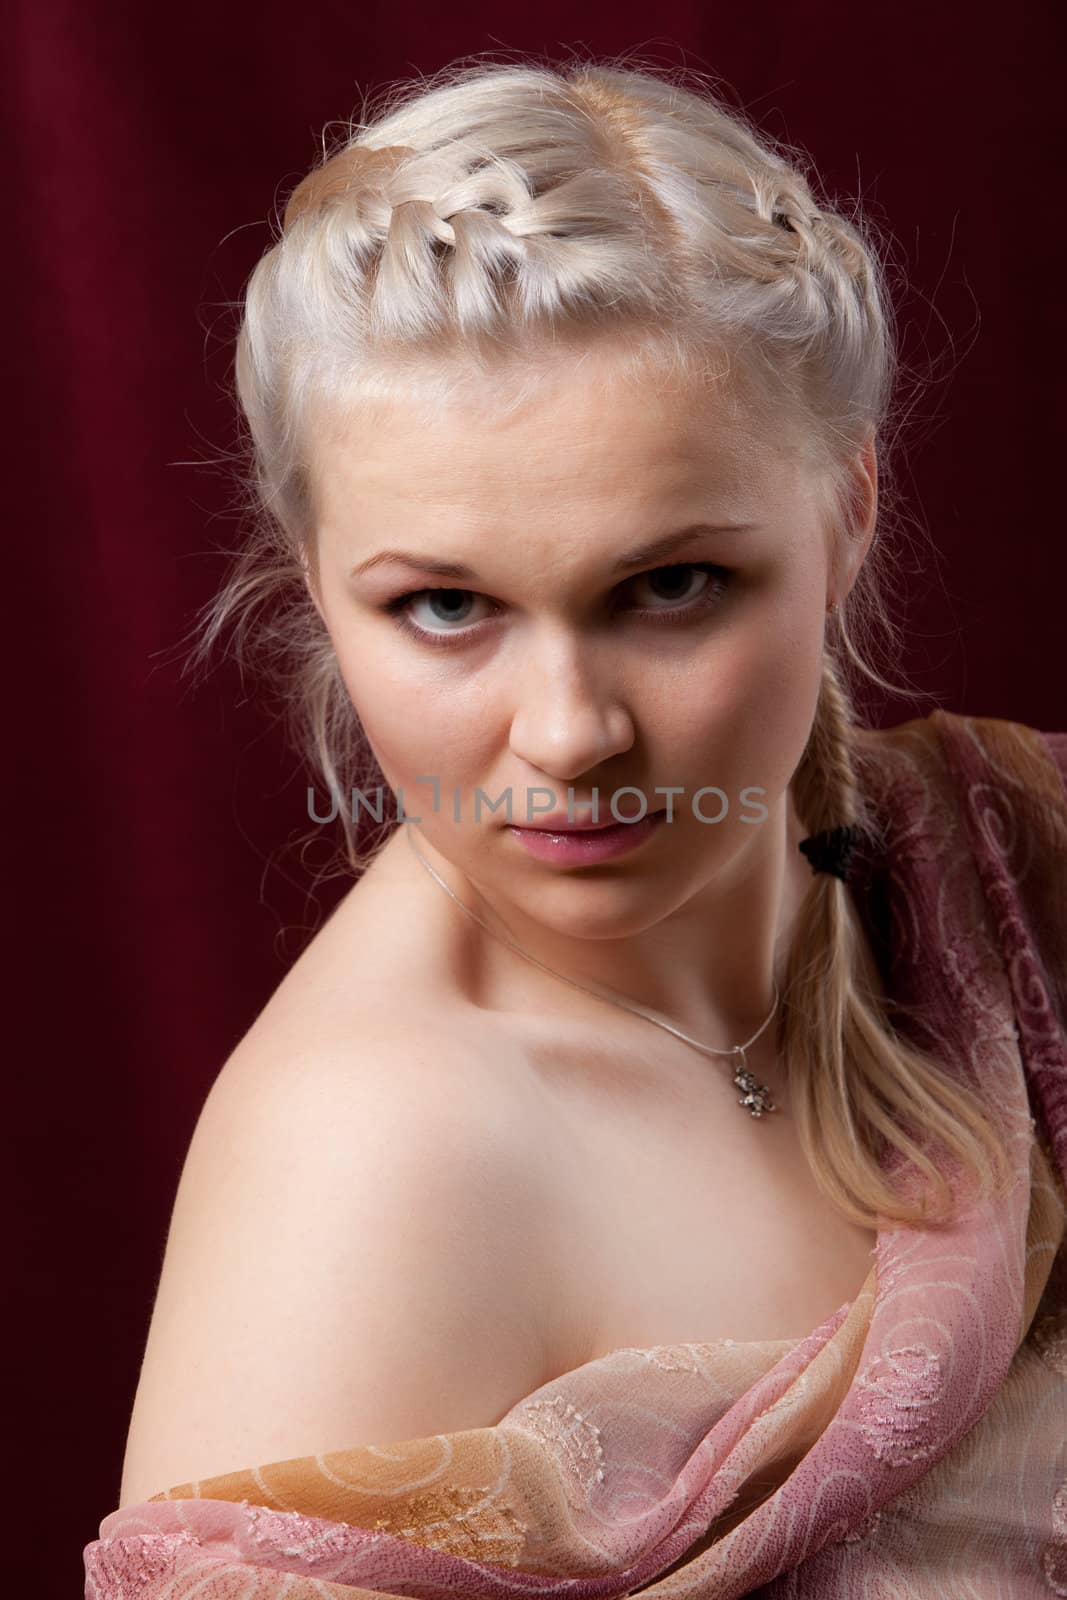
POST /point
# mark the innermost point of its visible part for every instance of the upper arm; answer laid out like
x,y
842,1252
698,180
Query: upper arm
x,y
351,1259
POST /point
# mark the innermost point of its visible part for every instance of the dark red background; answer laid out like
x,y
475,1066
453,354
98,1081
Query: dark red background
x,y
155,906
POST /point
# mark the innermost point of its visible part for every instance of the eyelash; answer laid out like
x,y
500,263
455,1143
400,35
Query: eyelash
x,y
708,598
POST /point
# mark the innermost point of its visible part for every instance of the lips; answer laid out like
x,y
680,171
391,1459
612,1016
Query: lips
x,y
588,847
560,823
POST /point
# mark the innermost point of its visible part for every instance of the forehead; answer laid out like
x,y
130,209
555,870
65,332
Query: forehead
x,y
585,432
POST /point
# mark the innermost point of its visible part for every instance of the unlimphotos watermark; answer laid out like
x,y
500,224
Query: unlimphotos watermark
x,y
548,805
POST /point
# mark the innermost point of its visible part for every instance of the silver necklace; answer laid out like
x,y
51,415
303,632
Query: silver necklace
x,y
755,1096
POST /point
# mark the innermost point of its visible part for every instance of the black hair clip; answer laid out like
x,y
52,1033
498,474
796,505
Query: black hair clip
x,y
832,849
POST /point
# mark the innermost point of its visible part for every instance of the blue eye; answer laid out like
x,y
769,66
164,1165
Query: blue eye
x,y
455,603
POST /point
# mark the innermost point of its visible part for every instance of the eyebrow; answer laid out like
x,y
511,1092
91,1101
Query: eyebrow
x,y
640,556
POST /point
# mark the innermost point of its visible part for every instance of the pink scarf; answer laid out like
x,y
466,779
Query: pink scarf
x,y
913,1444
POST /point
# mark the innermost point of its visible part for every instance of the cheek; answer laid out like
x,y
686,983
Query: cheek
x,y
381,705
743,715
778,694
781,667
415,728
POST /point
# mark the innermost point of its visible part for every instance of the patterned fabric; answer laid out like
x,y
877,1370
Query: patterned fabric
x,y
913,1444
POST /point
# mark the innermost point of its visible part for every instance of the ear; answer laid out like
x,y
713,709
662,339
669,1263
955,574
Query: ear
x,y
862,517
316,602
311,584
866,478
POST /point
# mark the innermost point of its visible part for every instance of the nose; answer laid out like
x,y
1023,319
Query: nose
x,y
569,715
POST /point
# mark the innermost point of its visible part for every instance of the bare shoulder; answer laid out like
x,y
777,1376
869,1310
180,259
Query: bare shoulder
x,y
358,1244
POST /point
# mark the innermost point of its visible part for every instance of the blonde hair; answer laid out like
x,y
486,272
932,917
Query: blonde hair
x,y
487,226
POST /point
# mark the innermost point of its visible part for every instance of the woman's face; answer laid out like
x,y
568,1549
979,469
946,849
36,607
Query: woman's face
x,y
563,655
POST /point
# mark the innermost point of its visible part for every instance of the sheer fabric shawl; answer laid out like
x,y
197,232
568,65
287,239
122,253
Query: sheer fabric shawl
x,y
915,1443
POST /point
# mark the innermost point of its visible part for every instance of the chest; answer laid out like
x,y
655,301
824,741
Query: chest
x,y
677,1217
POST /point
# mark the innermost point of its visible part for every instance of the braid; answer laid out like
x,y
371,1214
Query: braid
x,y
831,1034
355,169
824,785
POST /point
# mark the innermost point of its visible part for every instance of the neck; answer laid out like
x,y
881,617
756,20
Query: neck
x,y
708,965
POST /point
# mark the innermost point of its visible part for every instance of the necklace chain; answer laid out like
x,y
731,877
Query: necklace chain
x,y
755,1096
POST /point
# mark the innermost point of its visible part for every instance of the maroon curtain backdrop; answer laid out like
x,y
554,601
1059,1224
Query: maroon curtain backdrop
x,y
154,917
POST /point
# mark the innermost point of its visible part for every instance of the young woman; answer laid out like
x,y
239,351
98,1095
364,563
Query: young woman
x,y
651,1176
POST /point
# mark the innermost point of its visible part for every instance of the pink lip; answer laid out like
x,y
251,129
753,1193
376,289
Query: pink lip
x,y
558,822
584,846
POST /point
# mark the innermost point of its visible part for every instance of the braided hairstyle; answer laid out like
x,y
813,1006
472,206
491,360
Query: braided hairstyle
x,y
483,227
